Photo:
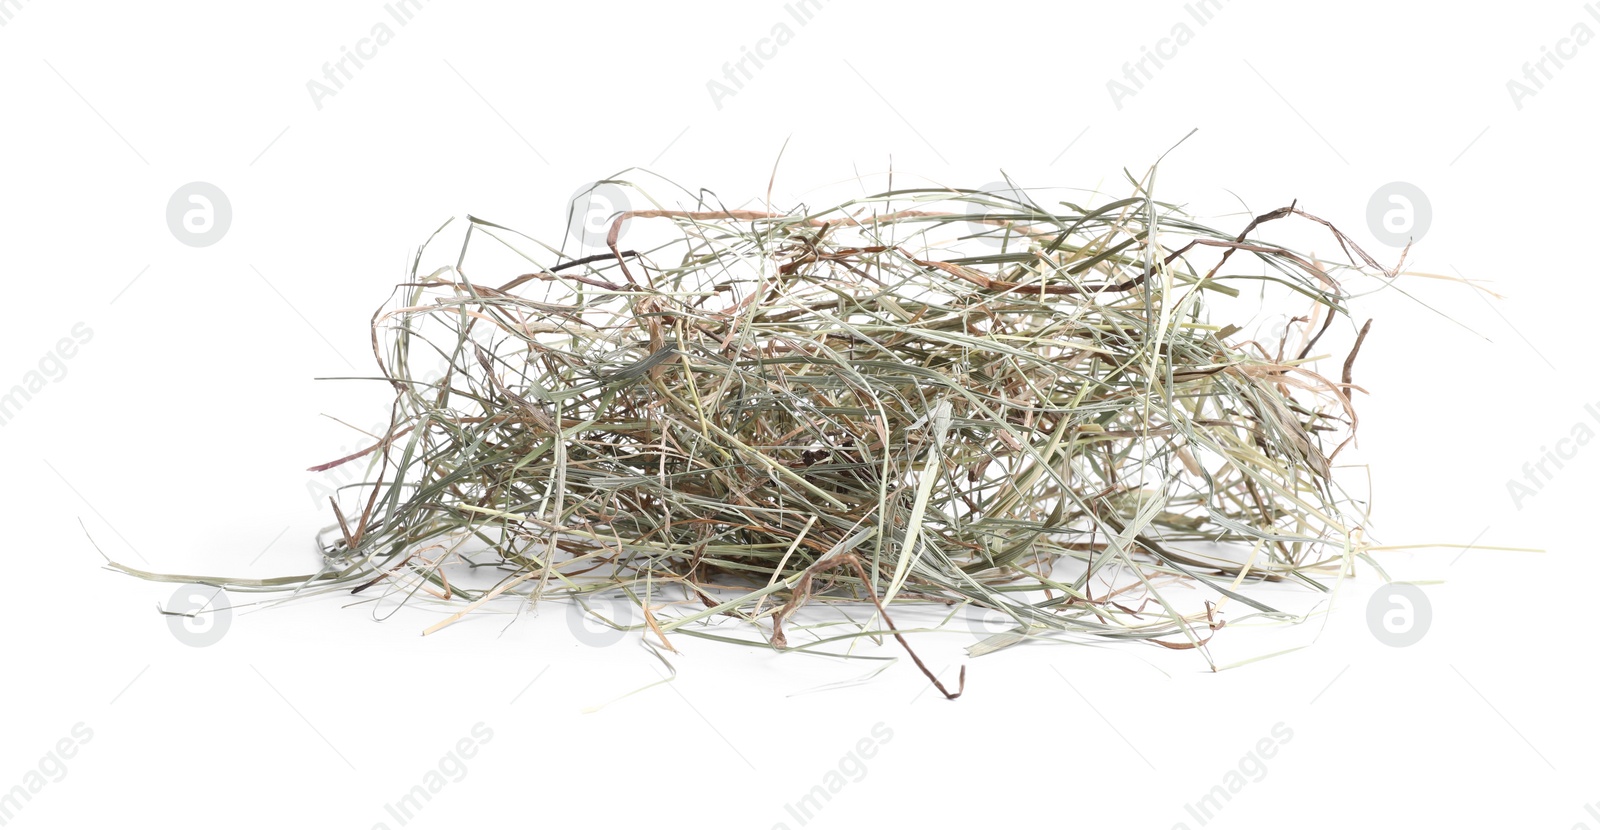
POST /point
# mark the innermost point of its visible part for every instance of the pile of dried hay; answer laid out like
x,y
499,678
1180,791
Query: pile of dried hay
x,y
923,396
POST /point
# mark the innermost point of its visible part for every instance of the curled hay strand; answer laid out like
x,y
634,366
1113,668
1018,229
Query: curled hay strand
x,y
924,396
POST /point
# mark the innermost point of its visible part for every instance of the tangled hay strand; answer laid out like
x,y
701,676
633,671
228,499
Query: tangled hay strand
x,y
923,396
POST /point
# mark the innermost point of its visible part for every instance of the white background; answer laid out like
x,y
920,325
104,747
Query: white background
x,y
180,434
